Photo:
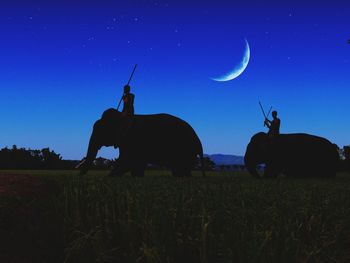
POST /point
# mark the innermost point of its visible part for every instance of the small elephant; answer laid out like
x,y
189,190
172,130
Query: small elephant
x,y
297,155
159,139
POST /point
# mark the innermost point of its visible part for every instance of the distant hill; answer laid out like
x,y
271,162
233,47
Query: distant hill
x,y
226,159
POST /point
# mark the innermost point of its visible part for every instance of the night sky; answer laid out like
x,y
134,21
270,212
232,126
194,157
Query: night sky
x,y
63,64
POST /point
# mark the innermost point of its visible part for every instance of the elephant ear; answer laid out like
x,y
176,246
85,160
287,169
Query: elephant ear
x,y
125,124
261,140
104,132
264,146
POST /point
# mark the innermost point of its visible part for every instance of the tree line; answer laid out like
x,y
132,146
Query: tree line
x,y
46,159
21,158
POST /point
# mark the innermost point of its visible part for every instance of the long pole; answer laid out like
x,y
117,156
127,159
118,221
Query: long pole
x,y
132,74
269,111
262,109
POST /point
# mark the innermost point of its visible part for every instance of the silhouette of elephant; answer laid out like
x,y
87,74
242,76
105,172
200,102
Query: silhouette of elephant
x,y
158,139
297,155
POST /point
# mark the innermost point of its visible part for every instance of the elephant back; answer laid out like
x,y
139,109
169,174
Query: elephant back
x,y
167,130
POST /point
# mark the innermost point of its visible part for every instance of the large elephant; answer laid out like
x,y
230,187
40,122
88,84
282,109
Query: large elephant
x,y
159,139
298,155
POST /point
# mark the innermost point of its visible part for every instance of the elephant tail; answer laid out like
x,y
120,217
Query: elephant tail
x,y
199,153
201,159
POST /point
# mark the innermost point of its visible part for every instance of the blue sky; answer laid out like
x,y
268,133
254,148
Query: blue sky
x,y
63,64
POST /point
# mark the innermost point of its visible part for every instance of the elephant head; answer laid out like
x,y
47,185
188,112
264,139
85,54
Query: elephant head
x,y
256,153
106,132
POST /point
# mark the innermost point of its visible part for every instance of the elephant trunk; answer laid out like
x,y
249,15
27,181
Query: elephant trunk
x,y
90,156
250,164
252,170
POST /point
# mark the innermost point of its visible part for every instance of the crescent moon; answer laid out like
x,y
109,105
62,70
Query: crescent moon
x,y
238,70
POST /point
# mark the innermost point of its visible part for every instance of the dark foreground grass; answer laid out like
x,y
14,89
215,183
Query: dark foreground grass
x,y
224,217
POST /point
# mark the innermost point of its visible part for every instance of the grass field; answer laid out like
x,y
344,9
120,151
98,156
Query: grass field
x,y
223,217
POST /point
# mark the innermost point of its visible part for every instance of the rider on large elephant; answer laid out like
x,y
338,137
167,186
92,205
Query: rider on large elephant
x,y
159,139
128,109
128,102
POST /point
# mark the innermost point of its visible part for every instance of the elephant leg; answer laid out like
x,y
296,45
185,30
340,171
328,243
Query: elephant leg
x,y
324,171
187,173
176,172
138,170
270,171
120,168
181,172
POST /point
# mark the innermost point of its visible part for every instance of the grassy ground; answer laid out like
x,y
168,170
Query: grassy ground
x,y
224,217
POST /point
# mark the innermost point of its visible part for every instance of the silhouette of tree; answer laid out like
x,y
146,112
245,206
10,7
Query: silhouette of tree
x,y
21,158
346,153
346,156
50,159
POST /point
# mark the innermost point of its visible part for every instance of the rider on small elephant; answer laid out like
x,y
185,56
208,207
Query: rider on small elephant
x,y
274,125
